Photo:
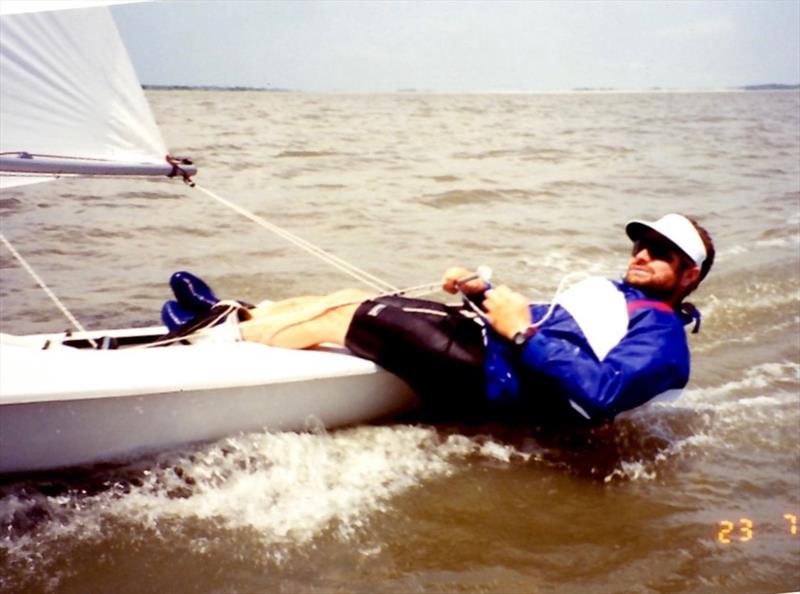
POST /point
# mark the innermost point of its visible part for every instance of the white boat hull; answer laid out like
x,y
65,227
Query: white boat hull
x,y
65,406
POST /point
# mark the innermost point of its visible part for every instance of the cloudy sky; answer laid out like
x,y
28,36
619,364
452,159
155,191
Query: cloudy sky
x,y
463,46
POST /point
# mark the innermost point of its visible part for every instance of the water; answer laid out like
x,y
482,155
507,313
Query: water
x,y
535,186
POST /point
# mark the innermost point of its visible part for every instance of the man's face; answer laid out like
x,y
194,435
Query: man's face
x,y
659,269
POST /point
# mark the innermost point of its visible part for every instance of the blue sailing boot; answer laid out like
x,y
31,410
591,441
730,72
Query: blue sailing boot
x,y
192,293
175,316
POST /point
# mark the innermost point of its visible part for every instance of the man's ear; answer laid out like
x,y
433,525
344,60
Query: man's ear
x,y
689,277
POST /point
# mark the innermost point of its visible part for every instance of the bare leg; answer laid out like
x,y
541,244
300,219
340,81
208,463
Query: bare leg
x,y
304,322
285,305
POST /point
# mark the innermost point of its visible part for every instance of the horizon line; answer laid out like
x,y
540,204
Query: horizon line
x,y
411,90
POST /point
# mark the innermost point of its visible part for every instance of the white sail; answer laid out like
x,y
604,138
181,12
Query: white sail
x,y
68,90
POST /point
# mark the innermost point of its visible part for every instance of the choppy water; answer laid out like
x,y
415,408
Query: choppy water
x,y
536,186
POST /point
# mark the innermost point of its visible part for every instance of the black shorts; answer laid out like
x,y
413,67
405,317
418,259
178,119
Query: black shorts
x,y
438,349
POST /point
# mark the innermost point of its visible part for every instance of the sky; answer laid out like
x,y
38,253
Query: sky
x,y
463,46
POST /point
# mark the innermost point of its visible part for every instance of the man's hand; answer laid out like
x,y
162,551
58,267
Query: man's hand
x,y
507,311
451,285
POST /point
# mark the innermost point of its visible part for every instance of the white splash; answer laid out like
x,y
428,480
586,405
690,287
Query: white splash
x,y
287,488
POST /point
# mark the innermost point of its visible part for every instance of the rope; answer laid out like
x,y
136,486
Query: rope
x,y
361,275
484,273
44,287
554,301
231,307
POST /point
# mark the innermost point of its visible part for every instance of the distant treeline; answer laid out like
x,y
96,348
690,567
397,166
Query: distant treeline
x,y
213,88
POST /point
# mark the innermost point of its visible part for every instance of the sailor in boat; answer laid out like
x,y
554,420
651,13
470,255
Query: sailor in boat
x,y
602,347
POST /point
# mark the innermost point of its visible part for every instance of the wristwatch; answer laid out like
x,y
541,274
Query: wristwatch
x,y
523,336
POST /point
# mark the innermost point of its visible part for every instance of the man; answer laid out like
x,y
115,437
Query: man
x,y
603,347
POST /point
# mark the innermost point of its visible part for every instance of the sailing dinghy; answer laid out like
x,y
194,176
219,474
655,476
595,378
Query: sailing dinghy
x,y
63,400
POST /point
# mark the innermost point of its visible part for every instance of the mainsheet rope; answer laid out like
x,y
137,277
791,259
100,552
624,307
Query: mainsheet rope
x,y
357,273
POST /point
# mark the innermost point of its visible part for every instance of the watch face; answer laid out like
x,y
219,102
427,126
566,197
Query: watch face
x,y
522,336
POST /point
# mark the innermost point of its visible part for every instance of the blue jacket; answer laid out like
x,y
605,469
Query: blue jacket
x,y
606,348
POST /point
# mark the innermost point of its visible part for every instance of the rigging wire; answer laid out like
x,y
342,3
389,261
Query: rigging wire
x,y
357,273
59,304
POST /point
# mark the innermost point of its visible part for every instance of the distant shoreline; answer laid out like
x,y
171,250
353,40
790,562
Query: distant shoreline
x,y
764,87
770,87
213,88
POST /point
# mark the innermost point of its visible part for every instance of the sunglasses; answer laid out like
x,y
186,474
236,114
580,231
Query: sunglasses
x,y
658,249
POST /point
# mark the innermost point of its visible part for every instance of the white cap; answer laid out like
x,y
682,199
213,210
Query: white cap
x,y
677,229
